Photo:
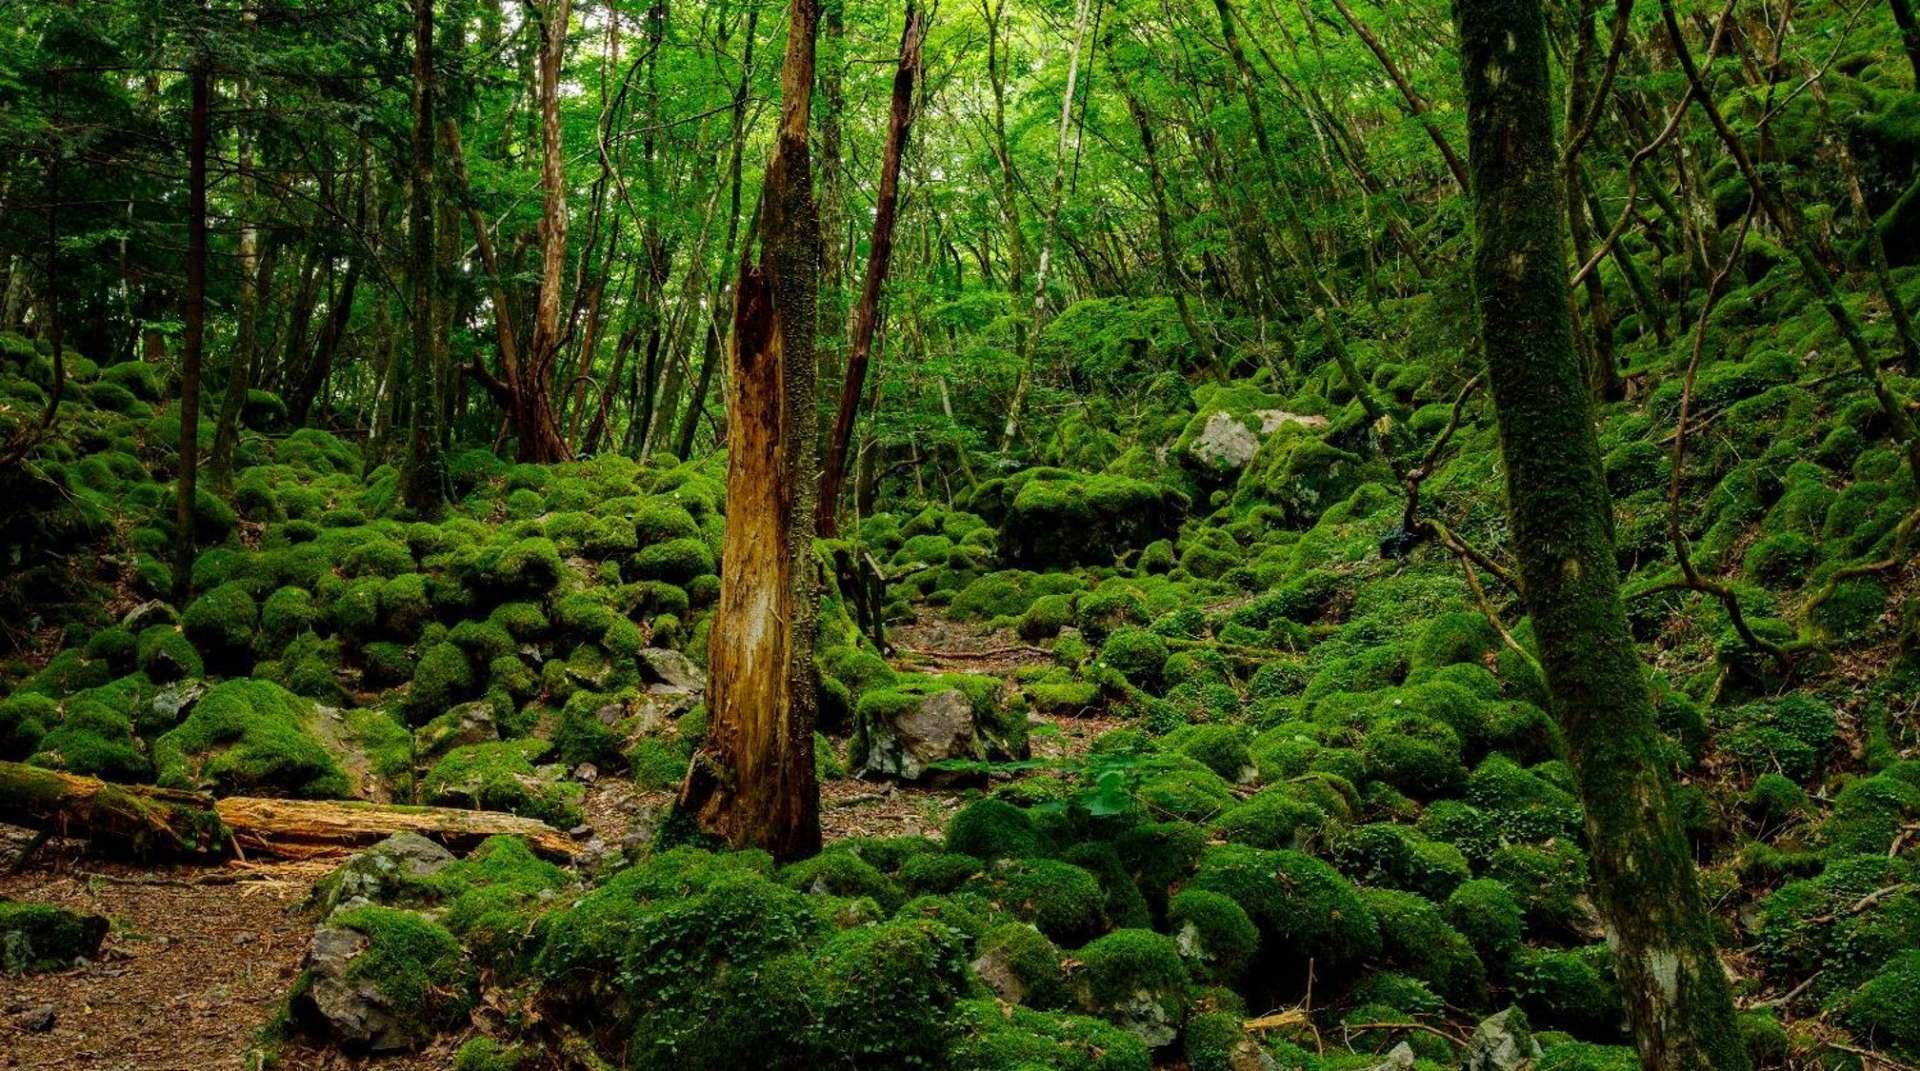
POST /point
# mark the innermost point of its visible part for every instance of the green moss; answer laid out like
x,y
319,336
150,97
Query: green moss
x,y
500,777
42,937
442,678
1810,927
414,964
1214,935
166,655
1572,991
486,1054
250,737
676,561
1062,900
1416,938
992,829
1128,967
991,1038
886,992
1886,1010
287,613
1550,881
1870,815
1418,755
1305,910
24,719
221,623
1486,913
1401,858
96,740
1521,805
840,872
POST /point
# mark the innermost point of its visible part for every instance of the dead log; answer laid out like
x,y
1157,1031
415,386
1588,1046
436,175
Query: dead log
x,y
149,822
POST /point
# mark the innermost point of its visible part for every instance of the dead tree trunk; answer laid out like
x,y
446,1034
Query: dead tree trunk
x,y
752,781
833,473
1661,935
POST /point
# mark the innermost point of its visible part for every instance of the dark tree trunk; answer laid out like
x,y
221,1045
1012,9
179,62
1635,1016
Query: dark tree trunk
x,y
1909,34
422,482
1661,935
752,781
833,473
194,331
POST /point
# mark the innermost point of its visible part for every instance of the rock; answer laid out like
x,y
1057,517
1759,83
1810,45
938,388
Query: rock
x,y
390,872
176,700
586,773
355,1010
669,672
641,828
995,968
468,723
148,614
1224,442
37,1020
1272,420
903,742
1143,1013
1399,1058
1502,1042
598,856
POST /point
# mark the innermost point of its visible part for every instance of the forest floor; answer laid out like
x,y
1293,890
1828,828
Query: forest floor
x,y
199,958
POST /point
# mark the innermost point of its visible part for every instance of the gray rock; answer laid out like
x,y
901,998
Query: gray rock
x,y
669,672
1502,1042
903,745
1224,442
468,723
176,700
357,1014
995,968
642,825
586,773
389,872
1143,1013
1272,420
1399,1058
148,614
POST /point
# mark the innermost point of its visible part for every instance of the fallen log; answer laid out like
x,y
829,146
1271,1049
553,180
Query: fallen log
x,y
149,822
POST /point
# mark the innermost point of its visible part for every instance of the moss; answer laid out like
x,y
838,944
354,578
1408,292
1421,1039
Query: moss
x,y
1451,638
1213,934
1415,754
166,655
115,647
676,561
486,1054
1128,967
886,991
442,678
1416,938
1305,910
249,737
1062,900
991,829
1520,804
992,1038
24,719
286,613
1550,881
221,623
1886,1010
42,937
1870,815
528,566
1572,991
1174,786
840,872
1486,913
1401,858
501,777
414,965
1810,927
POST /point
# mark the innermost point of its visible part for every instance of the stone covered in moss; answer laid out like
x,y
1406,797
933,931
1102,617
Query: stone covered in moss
x,y
42,937
1064,901
1305,910
990,1038
1136,980
382,979
500,776
250,737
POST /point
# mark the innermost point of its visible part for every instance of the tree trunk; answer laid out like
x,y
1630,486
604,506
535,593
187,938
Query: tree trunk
x,y
752,781
1163,226
1909,34
1661,935
1416,103
1024,384
535,423
254,271
194,331
422,478
833,474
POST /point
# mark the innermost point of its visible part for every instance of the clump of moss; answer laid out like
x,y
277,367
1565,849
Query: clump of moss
x,y
1572,990
1521,805
886,990
42,937
1304,909
1064,901
500,776
413,965
250,737
1400,857
1137,654
1214,935
1135,979
1416,938
221,622
990,1038
992,829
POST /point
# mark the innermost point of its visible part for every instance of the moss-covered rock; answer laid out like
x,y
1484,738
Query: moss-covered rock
x,y
251,737
42,937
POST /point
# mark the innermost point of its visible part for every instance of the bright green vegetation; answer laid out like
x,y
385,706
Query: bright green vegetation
x,y
42,937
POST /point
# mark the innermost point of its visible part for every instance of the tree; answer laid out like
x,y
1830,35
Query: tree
x,y
866,315
195,317
422,477
752,782
1662,939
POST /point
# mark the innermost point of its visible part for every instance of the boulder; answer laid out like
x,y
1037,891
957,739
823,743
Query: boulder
x,y
392,871
668,671
468,723
1399,1058
356,1011
1502,1042
148,614
175,701
904,739
1224,442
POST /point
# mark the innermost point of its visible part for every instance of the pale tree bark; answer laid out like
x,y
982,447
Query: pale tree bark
x,y
1037,318
752,782
866,315
536,425
1558,509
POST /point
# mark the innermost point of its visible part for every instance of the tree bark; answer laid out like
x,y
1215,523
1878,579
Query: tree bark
x,y
1038,312
535,423
422,478
194,331
1909,34
833,473
752,781
1661,935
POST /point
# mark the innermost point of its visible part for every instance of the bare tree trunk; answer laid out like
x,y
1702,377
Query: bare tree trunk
x,y
423,482
540,438
195,327
1039,309
240,361
752,781
1661,935
833,474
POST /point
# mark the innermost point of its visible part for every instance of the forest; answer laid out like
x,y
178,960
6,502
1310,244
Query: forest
x,y
976,535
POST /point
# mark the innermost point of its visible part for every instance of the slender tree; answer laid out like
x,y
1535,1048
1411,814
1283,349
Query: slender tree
x,y
1661,935
752,781
422,480
866,315
194,328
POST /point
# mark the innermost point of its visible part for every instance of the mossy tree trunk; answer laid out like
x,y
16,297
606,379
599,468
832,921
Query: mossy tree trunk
x,y
752,781
194,330
1675,989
